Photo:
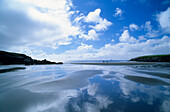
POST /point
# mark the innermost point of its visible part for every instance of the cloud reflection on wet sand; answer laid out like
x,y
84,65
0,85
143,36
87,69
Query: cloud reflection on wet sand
x,y
83,88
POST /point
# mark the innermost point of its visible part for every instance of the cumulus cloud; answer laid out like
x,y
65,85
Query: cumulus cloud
x,y
125,37
133,27
83,48
118,12
112,40
92,35
28,26
81,52
38,23
94,16
101,24
150,31
148,25
141,38
164,20
129,50
116,51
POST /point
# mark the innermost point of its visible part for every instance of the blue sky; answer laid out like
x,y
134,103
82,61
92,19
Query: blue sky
x,y
62,30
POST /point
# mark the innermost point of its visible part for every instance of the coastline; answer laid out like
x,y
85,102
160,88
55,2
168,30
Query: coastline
x,y
152,58
118,63
11,58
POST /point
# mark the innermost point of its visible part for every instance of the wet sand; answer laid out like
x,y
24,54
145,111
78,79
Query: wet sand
x,y
87,88
118,63
146,80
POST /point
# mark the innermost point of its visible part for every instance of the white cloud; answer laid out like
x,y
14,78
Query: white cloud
x,y
133,27
78,19
112,40
42,24
116,51
39,23
150,31
103,25
100,24
118,12
141,38
130,50
92,35
81,52
94,16
84,48
164,20
153,33
125,37
148,25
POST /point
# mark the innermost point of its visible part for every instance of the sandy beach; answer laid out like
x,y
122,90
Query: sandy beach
x,y
118,63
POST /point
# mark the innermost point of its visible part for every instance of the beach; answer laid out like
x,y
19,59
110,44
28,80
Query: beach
x,y
117,63
85,87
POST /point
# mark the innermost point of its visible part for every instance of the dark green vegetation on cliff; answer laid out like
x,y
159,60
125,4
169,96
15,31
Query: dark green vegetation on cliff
x,y
8,58
153,58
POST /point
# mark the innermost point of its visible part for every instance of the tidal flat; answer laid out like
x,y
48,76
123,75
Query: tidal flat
x,y
85,88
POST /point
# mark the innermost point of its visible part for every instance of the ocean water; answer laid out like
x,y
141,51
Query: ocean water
x,y
96,61
85,88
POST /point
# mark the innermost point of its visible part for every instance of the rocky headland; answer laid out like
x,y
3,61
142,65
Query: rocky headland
x,y
153,58
9,58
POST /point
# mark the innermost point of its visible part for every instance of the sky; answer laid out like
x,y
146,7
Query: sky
x,y
62,30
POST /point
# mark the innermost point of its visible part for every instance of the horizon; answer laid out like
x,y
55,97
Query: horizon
x,y
65,30
90,59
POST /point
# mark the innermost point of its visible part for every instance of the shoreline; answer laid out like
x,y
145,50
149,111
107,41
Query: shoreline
x,y
118,63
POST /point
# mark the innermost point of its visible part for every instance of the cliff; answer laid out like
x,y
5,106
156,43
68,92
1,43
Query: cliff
x,y
8,58
153,58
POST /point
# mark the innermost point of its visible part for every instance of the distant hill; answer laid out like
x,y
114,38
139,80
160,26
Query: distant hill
x,y
8,58
153,58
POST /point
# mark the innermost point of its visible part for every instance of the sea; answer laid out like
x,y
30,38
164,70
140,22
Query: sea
x,y
85,88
